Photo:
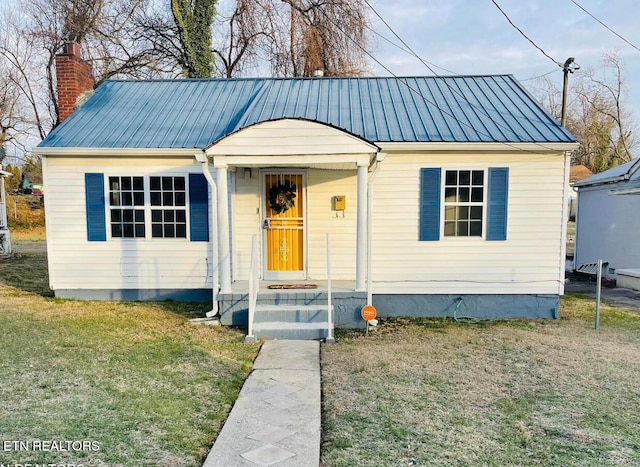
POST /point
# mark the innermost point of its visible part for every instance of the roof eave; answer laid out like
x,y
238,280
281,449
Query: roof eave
x,y
116,152
537,148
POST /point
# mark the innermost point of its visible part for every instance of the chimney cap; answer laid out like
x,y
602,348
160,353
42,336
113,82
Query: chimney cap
x,y
72,49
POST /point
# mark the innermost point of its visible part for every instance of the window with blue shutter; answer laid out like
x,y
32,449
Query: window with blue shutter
x,y
498,193
198,208
95,203
429,205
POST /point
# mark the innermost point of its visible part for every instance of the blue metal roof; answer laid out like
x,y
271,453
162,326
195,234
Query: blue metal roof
x,y
197,113
614,174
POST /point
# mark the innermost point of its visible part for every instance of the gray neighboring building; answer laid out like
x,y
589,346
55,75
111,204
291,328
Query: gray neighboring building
x,y
608,221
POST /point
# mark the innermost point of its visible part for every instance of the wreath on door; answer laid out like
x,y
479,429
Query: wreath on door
x,y
281,196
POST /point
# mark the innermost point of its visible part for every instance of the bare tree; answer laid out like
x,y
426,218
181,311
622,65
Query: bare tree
x,y
596,115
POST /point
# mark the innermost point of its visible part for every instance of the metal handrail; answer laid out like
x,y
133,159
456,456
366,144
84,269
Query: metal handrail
x,y
330,337
254,286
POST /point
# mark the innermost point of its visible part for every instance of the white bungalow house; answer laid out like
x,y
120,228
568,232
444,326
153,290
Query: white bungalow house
x,y
607,223
440,194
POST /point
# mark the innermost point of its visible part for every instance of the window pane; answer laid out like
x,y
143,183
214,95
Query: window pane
x,y
181,216
463,212
139,230
154,183
138,199
181,231
127,199
478,177
168,216
450,213
116,215
463,195
156,216
451,177
168,231
127,231
139,213
114,198
178,183
180,199
127,215
155,199
450,195
476,212
449,229
138,183
167,183
156,230
463,229
475,228
167,199
126,183
464,177
116,230
476,195
114,183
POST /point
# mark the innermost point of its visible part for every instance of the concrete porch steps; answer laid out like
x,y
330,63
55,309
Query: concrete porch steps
x,y
291,322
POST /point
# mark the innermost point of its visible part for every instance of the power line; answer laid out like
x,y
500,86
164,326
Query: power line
x,y
426,63
539,76
423,97
587,12
525,36
408,51
408,47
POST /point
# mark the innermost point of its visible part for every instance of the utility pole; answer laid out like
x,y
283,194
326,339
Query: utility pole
x,y
569,66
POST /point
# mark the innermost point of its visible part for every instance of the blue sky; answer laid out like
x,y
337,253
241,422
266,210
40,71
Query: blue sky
x,y
473,37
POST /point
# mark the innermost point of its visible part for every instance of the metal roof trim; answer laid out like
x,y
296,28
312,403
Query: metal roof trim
x,y
537,148
616,175
329,125
116,152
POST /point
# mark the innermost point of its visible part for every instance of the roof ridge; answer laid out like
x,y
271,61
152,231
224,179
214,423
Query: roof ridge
x,y
307,78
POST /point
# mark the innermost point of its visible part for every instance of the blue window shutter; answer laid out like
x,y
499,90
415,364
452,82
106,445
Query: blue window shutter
x,y
429,204
497,206
198,208
94,197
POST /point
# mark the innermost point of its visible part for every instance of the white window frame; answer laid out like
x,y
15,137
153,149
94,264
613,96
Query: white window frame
x,y
147,208
444,204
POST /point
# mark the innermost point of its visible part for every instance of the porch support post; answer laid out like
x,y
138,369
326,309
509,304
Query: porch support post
x,y
224,253
361,229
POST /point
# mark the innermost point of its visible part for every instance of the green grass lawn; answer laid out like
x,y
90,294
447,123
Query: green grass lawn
x,y
147,386
435,392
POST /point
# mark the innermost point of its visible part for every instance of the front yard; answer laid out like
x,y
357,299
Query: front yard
x,y
138,381
146,387
435,392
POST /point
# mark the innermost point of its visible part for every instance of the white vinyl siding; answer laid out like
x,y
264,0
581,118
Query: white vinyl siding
x,y
128,263
530,261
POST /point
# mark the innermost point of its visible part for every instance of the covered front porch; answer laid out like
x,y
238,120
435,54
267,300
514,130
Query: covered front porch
x,y
322,163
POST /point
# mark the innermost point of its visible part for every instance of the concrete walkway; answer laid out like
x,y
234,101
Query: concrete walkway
x,y
276,419
616,296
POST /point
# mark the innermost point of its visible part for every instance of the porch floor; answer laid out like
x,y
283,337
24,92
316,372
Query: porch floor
x,y
337,287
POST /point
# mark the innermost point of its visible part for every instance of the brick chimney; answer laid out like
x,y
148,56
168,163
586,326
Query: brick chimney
x,y
74,77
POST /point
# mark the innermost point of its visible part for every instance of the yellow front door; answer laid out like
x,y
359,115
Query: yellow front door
x,y
283,225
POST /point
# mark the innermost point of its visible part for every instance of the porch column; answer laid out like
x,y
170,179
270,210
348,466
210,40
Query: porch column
x,y
361,232
224,253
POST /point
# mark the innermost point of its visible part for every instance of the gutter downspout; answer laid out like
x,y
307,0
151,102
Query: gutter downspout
x,y
379,158
202,158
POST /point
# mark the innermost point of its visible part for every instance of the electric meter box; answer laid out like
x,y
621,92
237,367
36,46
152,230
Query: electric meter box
x,y
339,203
